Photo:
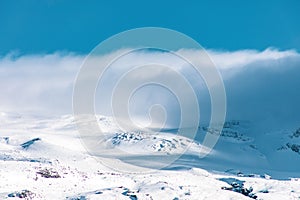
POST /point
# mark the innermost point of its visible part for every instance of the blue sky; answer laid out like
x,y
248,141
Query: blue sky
x,y
33,26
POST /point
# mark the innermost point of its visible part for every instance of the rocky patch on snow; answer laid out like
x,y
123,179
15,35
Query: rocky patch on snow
x,y
294,147
48,173
24,194
238,186
27,144
4,140
127,137
242,174
292,141
148,142
296,134
232,131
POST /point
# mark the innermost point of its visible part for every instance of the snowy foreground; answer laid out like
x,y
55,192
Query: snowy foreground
x,y
43,158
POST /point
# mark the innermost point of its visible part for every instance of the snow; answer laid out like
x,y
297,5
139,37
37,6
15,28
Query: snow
x,y
57,165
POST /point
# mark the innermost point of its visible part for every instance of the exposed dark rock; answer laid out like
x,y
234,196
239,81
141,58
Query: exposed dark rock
x,y
48,173
228,131
24,194
264,191
294,147
282,148
296,134
29,143
4,140
241,174
129,193
133,197
230,124
127,136
238,186
266,176
77,198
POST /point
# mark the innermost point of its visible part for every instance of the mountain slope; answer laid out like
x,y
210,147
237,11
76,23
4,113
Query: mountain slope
x,y
57,166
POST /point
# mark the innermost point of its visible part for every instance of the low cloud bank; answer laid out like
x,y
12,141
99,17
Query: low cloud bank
x,y
260,86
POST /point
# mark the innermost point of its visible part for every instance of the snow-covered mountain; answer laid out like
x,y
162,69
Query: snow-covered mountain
x,y
44,158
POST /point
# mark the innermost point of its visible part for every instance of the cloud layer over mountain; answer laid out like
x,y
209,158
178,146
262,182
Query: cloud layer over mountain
x,y
260,86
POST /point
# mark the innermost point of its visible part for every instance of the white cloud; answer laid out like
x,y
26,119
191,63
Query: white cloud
x,y
38,83
259,85
242,58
